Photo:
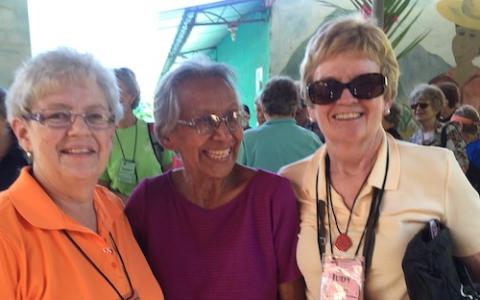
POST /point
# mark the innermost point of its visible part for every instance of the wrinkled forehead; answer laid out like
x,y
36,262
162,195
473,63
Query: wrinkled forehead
x,y
206,95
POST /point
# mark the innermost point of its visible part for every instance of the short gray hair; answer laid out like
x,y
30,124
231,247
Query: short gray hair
x,y
54,69
280,97
129,80
430,93
166,106
469,112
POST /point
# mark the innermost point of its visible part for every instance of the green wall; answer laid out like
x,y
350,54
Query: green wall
x,y
248,52
15,38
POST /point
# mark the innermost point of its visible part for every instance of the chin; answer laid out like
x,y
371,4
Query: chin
x,y
82,173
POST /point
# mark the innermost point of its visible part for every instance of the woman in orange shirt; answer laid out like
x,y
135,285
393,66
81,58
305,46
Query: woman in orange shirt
x,y
61,235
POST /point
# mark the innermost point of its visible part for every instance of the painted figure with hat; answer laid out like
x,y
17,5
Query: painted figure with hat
x,y
465,14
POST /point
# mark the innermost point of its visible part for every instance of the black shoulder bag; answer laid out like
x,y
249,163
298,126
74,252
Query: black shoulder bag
x,y
431,271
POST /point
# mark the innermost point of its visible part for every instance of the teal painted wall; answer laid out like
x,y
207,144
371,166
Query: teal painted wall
x,y
248,52
15,38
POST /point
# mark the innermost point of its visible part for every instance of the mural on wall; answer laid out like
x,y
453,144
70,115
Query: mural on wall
x,y
465,17
14,30
455,21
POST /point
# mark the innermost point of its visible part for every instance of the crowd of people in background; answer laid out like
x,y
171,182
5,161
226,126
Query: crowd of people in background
x,y
100,204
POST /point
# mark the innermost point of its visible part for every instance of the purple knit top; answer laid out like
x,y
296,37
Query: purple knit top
x,y
241,250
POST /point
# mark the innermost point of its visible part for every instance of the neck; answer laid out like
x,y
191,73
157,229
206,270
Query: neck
x,y
448,112
349,169
351,163
429,125
277,117
6,143
77,203
207,192
128,120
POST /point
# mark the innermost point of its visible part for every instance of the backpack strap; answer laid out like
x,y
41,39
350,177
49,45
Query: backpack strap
x,y
156,146
443,136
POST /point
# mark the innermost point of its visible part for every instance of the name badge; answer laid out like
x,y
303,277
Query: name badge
x,y
342,278
126,172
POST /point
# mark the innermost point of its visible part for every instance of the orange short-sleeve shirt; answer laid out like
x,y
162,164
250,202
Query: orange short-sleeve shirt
x,y
38,261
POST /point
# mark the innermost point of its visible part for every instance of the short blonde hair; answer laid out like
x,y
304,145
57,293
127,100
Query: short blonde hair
x,y
350,35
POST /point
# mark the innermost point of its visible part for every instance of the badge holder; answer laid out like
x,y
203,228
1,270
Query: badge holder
x,y
342,278
126,172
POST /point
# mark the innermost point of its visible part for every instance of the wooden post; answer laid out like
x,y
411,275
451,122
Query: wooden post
x,y
378,12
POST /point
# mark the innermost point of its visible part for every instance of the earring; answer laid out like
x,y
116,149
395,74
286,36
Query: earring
x,y
29,156
386,112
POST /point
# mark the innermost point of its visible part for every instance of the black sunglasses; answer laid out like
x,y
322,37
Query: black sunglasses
x,y
362,87
422,105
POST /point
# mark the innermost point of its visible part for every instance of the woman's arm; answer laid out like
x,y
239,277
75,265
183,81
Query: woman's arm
x,y
294,290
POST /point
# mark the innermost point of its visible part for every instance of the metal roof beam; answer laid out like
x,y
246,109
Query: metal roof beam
x,y
186,25
189,21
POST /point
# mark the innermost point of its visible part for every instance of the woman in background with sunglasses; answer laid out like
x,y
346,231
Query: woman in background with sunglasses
x,y
213,229
426,102
364,195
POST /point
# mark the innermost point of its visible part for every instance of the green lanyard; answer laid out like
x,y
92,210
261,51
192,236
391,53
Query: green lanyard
x,y
134,145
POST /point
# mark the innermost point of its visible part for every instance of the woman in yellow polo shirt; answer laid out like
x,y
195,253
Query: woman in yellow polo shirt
x,y
364,195
61,235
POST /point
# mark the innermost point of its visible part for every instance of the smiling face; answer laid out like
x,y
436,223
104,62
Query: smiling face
x,y
465,44
205,155
72,154
349,120
423,111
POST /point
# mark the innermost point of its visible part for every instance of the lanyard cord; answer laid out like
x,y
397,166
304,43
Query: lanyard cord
x,y
370,225
134,145
330,206
100,271
327,177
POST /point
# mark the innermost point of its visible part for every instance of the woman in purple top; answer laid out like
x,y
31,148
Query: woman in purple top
x,y
213,229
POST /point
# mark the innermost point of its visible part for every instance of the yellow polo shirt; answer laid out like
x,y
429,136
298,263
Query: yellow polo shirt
x,y
422,183
38,261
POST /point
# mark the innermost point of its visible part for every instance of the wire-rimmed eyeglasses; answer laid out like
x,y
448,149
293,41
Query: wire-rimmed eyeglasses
x,y
65,119
207,124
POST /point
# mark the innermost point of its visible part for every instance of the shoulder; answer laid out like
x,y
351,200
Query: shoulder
x,y
12,224
108,198
307,166
149,189
266,178
254,131
431,160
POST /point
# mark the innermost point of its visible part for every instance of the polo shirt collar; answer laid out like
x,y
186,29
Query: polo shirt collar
x,y
37,208
280,120
378,172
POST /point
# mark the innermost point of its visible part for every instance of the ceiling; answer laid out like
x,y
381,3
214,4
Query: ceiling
x,y
201,28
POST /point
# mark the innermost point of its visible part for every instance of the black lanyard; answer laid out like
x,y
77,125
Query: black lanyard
x,y
132,292
372,220
134,145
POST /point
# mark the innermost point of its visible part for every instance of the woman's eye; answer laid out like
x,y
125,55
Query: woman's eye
x,y
58,116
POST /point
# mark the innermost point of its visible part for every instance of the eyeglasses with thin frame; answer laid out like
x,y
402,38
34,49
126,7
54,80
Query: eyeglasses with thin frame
x,y
64,119
422,105
362,87
234,120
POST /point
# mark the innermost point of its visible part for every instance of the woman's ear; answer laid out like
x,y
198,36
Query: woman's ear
x,y
167,142
21,129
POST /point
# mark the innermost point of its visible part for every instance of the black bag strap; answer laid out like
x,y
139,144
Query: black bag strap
x,y
156,146
443,136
